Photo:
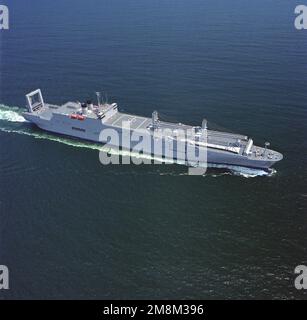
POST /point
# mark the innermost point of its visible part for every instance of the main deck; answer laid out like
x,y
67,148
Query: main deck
x,y
215,139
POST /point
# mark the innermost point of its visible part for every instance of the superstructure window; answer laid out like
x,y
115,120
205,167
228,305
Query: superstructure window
x,y
78,129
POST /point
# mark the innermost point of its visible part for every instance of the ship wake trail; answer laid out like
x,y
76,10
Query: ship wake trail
x,y
11,114
12,121
242,171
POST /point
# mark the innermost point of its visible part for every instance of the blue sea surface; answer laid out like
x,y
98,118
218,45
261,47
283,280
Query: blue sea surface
x,y
75,229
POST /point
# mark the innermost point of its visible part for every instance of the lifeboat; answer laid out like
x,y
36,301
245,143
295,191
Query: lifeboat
x,y
79,117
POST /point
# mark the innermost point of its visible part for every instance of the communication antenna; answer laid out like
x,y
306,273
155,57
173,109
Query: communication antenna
x,y
98,98
266,145
155,119
204,124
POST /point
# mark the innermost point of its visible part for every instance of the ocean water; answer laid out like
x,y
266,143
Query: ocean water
x,y
73,228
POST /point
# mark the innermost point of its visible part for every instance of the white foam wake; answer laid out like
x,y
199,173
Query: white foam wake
x,y
244,171
11,114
